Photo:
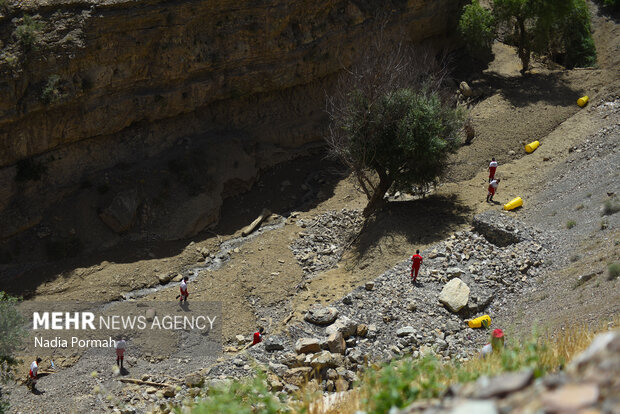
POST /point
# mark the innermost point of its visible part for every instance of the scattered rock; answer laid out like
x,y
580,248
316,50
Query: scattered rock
x,y
454,295
336,343
274,343
344,325
297,376
307,346
321,315
503,385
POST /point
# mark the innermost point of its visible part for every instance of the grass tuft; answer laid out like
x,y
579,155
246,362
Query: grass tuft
x,y
570,224
613,270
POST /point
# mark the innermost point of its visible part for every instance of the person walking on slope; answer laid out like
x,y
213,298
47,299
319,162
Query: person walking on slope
x,y
121,345
492,188
32,374
416,261
184,294
492,168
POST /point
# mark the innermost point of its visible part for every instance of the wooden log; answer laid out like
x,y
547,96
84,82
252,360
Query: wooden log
x,y
140,382
254,225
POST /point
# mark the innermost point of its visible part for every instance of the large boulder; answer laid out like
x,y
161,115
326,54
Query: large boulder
x,y
336,343
500,229
120,214
307,345
297,376
344,325
326,359
454,295
321,315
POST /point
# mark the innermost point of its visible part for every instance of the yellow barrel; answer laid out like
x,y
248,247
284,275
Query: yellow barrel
x,y
531,146
481,321
583,101
514,203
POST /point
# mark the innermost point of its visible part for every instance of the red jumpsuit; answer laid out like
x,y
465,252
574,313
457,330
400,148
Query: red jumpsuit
x,y
415,266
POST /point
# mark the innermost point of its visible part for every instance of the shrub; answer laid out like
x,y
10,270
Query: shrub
x,y
51,91
12,333
28,33
241,397
29,170
612,3
610,206
613,270
477,27
570,224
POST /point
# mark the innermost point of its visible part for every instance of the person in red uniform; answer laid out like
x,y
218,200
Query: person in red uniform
x,y
492,168
32,375
183,287
258,336
492,188
416,261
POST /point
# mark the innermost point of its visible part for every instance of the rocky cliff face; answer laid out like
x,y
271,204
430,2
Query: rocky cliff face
x,y
86,85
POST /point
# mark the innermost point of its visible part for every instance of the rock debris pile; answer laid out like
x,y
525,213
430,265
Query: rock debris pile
x,y
320,246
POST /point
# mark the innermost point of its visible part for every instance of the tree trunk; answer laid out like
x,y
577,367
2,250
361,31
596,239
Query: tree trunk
x,y
376,201
524,48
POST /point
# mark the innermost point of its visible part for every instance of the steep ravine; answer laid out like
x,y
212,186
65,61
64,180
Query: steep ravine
x,y
116,82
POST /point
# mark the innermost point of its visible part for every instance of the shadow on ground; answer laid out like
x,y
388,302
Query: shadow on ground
x,y
421,221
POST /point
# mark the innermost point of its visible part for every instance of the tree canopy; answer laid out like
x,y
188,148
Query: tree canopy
x,y
558,28
389,117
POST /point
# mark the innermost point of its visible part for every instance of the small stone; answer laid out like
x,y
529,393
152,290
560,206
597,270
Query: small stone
x,y
344,325
362,330
370,286
240,339
297,376
193,380
405,331
475,407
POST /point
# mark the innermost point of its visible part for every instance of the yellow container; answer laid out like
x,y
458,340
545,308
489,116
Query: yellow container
x,y
479,322
583,101
532,146
514,203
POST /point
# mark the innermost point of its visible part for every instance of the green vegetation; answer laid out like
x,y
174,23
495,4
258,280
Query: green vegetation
x,y
388,120
402,382
28,33
612,3
613,270
610,206
570,224
29,170
51,91
558,28
12,333
241,397
477,27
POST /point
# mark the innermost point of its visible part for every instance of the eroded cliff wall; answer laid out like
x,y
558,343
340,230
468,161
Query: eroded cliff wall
x,y
86,85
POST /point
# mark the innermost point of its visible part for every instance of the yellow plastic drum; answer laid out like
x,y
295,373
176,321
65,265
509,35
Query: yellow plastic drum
x,y
532,146
479,322
583,101
514,203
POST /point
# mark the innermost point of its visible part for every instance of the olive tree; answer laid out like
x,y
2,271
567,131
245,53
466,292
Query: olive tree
x,y
391,121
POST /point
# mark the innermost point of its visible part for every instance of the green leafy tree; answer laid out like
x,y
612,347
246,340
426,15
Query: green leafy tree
x,y
477,28
548,27
11,335
389,120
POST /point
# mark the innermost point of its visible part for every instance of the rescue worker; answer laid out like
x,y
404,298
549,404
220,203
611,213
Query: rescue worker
x,y
496,344
258,336
120,347
32,375
492,188
416,261
183,287
492,168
